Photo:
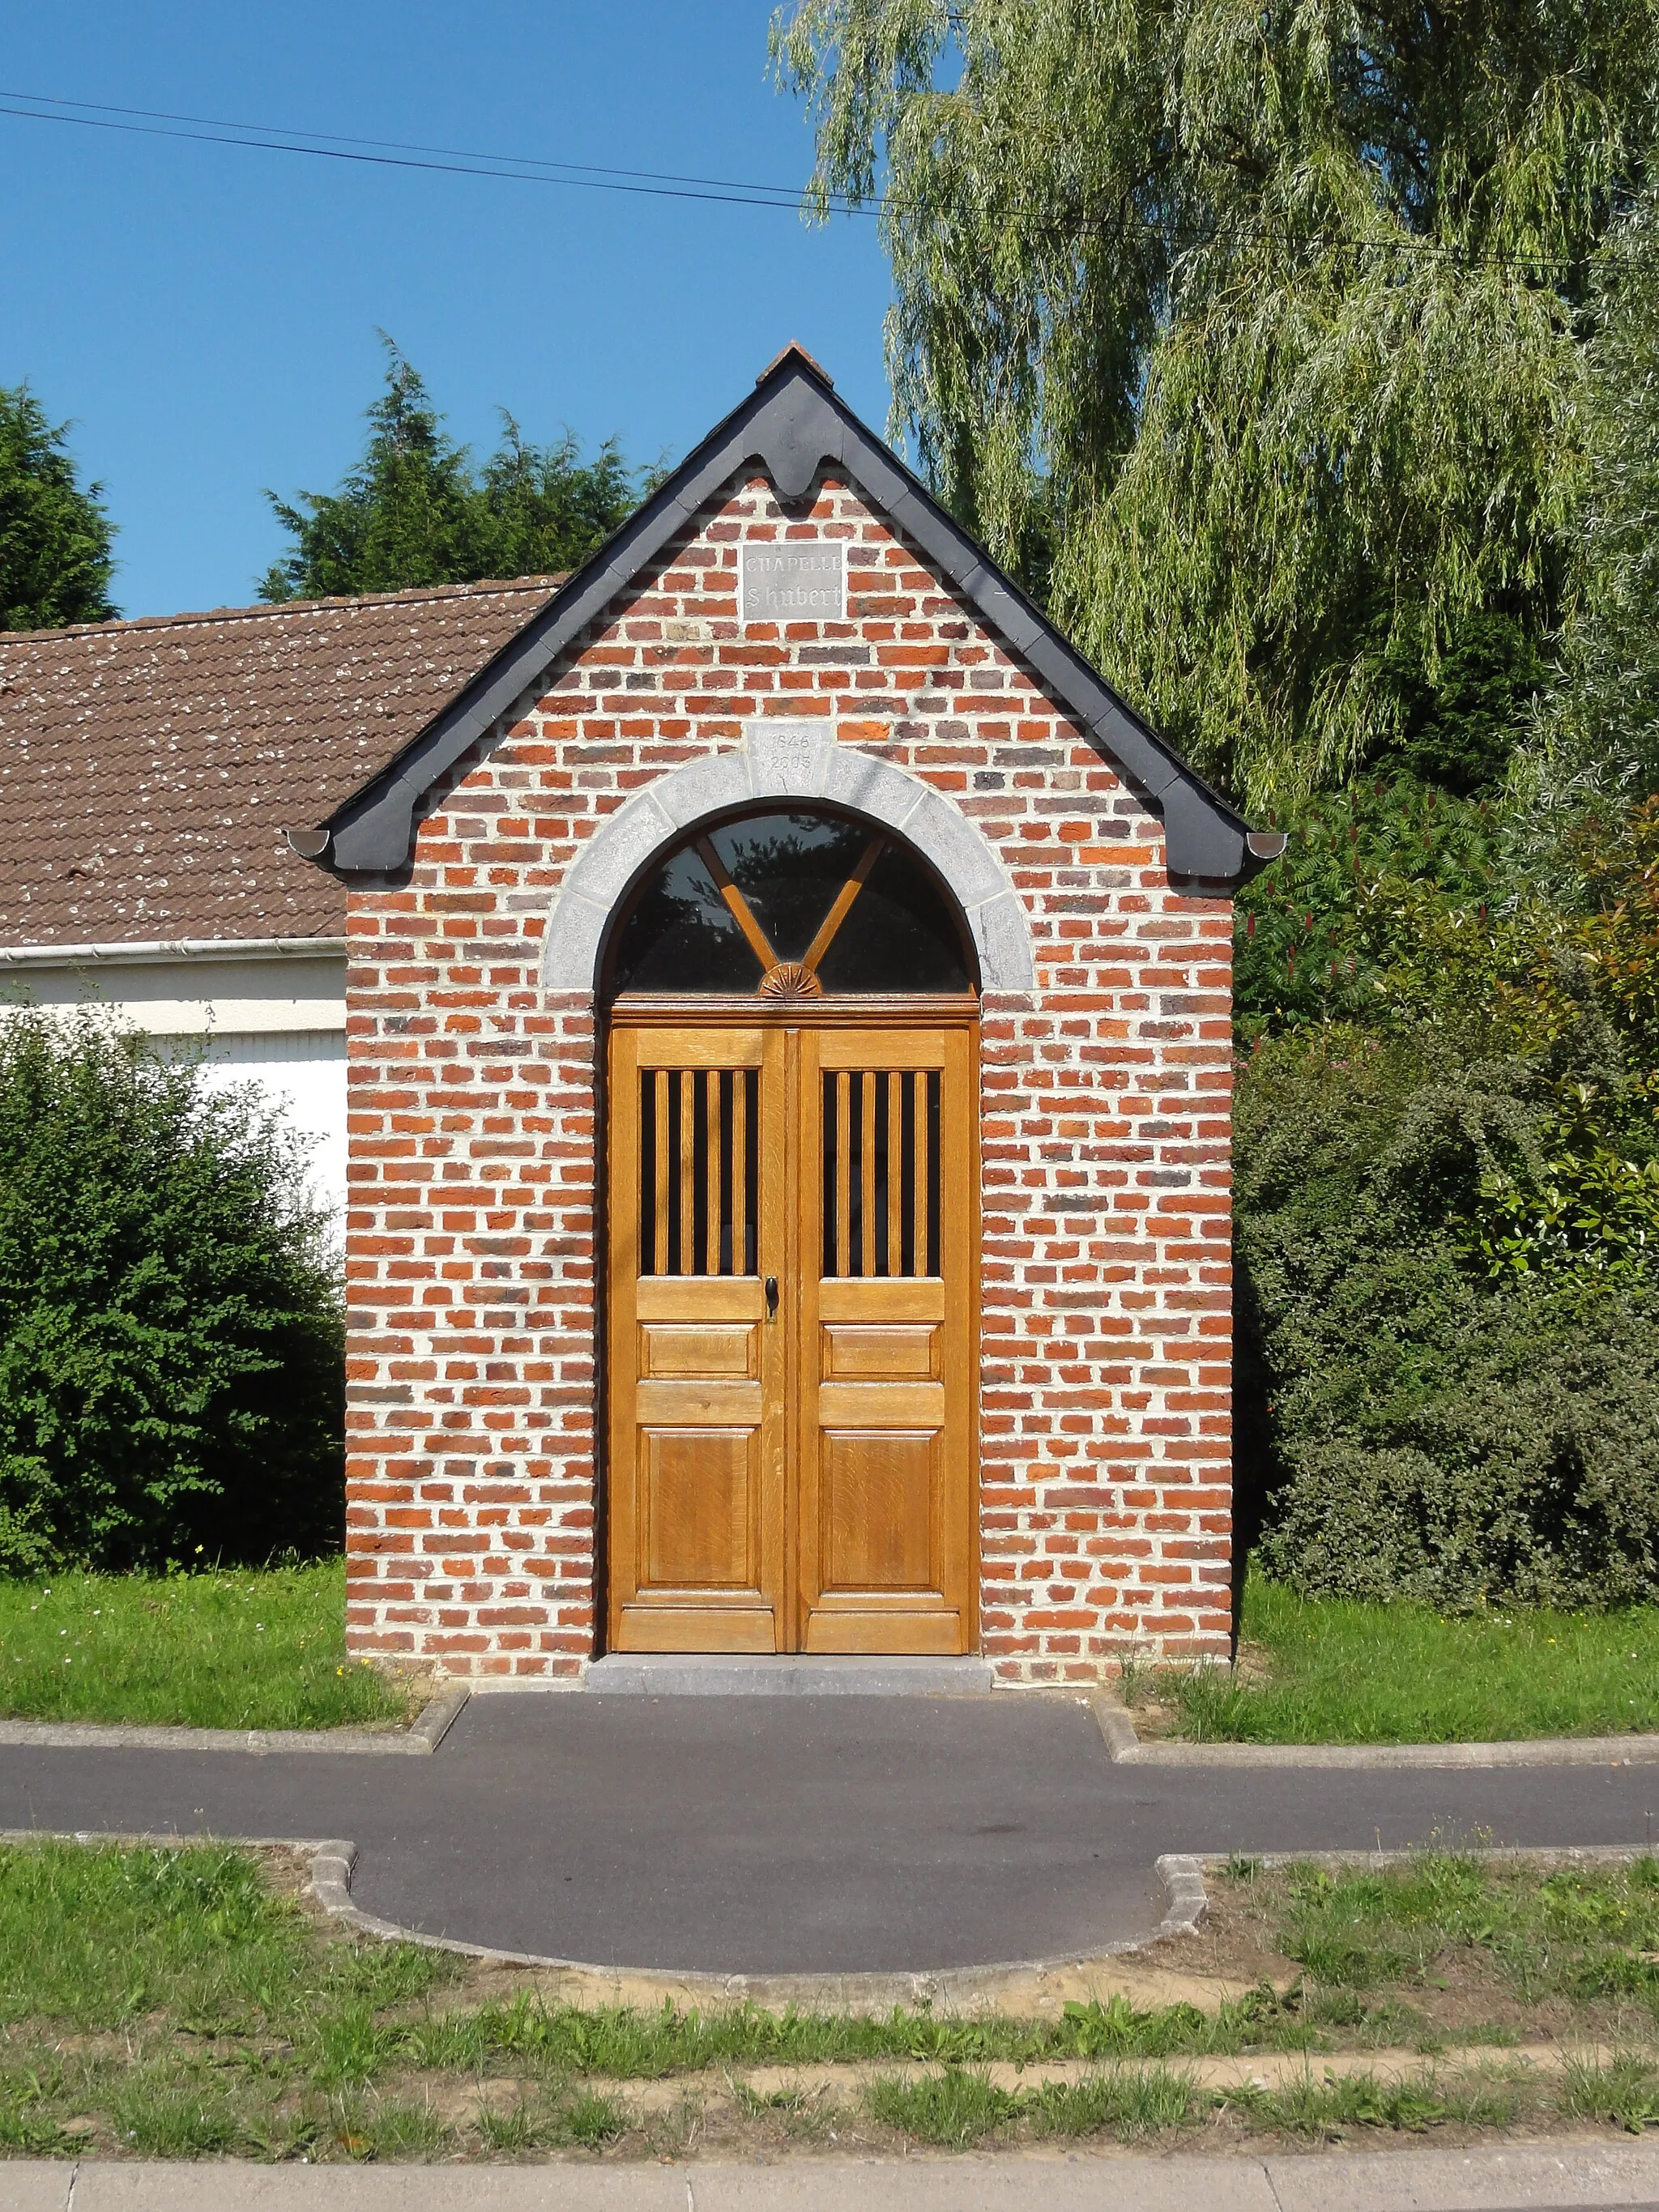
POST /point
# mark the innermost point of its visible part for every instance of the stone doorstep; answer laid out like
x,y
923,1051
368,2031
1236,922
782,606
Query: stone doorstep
x,y
806,1674
419,1740
1126,1748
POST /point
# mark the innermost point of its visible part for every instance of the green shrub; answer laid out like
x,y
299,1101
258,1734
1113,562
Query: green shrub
x,y
1305,948
1422,1416
170,1368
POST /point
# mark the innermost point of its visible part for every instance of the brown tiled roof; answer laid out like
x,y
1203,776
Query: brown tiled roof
x,y
148,769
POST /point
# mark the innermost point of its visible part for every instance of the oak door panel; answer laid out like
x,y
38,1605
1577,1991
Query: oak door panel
x,y
888,1352
701,1509
879,1489
795,1474
885,1463
697,1369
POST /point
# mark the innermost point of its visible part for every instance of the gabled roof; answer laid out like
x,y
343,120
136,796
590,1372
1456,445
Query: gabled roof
x,y
148,769
792,425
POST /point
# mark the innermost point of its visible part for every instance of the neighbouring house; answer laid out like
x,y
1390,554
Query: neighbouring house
x,y
788,1035
148,770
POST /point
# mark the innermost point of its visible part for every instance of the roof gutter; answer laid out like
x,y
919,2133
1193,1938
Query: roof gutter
x,y
178,948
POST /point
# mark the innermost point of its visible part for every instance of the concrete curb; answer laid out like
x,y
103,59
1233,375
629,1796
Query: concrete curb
x,y
419,1741
1546,1855
1588,2173
1127,1749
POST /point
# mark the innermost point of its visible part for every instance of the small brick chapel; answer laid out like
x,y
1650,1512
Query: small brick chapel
x,y
789,1056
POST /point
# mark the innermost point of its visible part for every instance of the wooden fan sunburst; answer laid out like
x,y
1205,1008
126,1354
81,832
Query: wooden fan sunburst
x,y
789,979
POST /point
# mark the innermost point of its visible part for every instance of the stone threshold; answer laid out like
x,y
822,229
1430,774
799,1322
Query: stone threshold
x,y
418,1740
784,1674
1127,1749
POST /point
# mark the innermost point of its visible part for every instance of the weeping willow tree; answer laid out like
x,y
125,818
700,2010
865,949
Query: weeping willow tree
x,y
1595,742
1251,335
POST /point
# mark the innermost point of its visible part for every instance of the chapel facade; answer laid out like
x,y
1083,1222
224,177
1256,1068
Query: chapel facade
x,y
789,1068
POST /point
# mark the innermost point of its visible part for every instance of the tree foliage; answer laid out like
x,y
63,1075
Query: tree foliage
x,y
1595,744
1311,937
171,1340
1448,1238
415,511
1428,1409
56,557
1252,334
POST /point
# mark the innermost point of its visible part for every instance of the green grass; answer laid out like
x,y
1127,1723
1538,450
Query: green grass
x,y
1577,1934
1626,2094
1123,2102
242,1648
1340,1673
173,2003
953,2108
96,1938
638,2046
1325,2109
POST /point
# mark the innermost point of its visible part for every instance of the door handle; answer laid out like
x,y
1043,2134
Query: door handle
x,y
771,1298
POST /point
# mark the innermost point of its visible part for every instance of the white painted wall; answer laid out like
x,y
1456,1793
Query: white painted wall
x,y
302,1072
271,1016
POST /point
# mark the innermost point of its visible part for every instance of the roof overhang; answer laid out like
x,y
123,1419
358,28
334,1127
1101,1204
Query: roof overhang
x,y
792,425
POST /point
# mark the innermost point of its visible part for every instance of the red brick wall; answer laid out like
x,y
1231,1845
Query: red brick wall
x,y
1105,1434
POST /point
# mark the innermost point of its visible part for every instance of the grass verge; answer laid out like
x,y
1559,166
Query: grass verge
x,y
1326,1671
191,2003
242,1648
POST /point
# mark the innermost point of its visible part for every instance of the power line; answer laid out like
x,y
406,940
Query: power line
x,y
507,164
479,166
645,183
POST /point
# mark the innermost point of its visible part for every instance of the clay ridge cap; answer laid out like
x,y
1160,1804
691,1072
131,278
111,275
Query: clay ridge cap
x,y
413,595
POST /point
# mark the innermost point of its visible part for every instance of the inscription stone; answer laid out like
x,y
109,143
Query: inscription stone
x,y
795,583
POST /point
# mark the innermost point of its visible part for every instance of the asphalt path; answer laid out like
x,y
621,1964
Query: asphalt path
x,y
779,1835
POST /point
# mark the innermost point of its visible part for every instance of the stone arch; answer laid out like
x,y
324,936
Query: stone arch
x,y
786,760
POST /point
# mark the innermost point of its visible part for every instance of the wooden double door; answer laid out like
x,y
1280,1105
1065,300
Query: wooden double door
x,y
793,1234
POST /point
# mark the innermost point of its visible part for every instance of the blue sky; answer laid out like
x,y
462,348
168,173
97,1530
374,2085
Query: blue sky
x,y
206,315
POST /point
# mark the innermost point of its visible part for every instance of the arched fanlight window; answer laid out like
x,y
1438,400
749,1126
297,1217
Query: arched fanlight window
x,y
791,905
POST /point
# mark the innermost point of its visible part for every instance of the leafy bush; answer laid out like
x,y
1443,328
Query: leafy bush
x,y
1308,947
1514,1459
1448,1239
171,1347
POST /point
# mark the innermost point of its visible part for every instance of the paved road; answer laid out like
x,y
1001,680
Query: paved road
x,y
775,1835
1564,2176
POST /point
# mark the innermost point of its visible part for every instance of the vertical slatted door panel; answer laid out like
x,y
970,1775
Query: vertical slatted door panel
x,y
697,1375
887,1462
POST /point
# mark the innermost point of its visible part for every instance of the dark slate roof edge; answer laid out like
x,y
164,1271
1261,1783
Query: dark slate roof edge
x,y
792,424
